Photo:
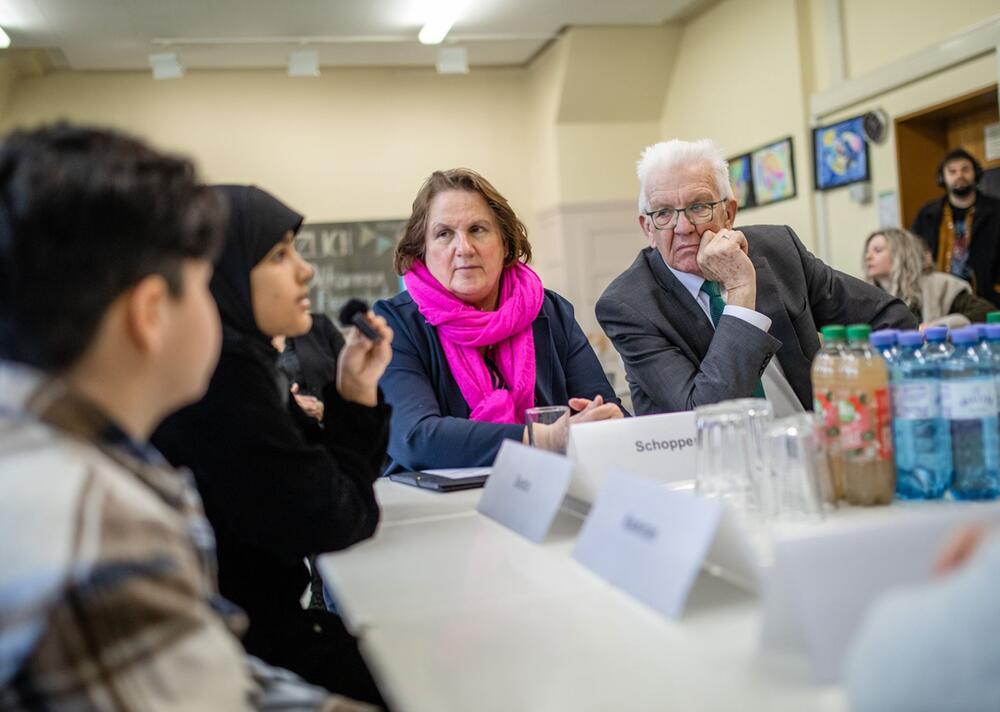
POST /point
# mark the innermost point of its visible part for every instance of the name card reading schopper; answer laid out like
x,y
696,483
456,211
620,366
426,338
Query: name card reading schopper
x,y
525,489
648,540
660,447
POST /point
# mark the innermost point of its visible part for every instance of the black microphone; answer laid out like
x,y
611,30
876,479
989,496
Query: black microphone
x,y
353,314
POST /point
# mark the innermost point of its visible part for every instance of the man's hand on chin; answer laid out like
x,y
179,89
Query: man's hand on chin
x,y
723,258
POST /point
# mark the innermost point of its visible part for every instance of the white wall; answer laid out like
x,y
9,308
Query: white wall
x,y
349,145
737,79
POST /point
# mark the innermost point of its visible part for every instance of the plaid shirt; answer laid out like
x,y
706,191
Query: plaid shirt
x,y
107,582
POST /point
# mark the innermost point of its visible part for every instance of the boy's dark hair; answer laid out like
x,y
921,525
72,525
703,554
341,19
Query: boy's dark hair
x,y
85,214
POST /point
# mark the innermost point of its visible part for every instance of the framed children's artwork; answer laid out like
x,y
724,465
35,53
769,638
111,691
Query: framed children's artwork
x,y
840,153
741,178
773,172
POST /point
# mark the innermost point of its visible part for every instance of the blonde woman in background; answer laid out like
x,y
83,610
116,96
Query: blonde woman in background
x,y
897,261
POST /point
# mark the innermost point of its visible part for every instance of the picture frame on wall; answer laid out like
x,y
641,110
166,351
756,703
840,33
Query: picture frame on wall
x,y
840,154
773,169
741,178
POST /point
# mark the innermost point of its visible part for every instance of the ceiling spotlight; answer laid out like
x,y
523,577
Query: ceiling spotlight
x,y
303,63
453,60
4,39
442,17
166,65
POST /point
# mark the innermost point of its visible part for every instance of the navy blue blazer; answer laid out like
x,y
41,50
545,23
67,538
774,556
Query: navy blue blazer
x,y
430,426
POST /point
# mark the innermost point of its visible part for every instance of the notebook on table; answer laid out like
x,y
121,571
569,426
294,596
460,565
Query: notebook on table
x,y
449,480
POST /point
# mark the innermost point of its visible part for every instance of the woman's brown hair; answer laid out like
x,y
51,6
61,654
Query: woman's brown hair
x,y
411,244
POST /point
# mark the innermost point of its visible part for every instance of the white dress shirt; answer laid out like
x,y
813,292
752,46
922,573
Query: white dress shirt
x,y
777,389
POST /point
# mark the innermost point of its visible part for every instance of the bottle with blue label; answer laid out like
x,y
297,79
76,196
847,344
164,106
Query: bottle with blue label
x,y
921,436
968,402
993,349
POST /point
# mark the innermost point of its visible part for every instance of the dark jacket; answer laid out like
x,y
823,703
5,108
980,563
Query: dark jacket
x,y
984,247
676,361
277,488
317,352
430,418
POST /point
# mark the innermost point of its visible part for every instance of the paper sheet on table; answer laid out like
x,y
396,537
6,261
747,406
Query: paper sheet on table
x,y
458,473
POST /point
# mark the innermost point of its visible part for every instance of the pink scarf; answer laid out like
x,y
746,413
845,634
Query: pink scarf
x,y
463,330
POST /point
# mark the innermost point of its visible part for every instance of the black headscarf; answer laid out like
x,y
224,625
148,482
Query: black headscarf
x,y
257,222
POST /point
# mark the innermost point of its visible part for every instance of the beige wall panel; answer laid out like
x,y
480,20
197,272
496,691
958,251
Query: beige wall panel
x,y
349,145
886,30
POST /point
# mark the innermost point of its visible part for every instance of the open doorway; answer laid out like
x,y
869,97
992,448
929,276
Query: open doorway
x,y
923,137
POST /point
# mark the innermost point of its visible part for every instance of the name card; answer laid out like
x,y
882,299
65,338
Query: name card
x,y
660,447
526,488
647,540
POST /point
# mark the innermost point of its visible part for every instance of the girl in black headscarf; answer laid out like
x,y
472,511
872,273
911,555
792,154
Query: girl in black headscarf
x,y
277,487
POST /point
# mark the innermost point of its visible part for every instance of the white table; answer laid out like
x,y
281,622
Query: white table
x,y
454,612
402,504
438,566
592,651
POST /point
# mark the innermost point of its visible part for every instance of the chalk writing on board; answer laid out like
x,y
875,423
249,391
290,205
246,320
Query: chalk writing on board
x,y
351,260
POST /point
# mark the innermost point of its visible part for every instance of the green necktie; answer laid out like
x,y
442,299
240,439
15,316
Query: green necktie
x,y
715,305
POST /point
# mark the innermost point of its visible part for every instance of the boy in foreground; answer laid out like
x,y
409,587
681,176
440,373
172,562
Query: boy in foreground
x,y
107,591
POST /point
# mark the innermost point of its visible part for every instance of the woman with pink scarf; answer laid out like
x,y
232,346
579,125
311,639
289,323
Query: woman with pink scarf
x,y
478,340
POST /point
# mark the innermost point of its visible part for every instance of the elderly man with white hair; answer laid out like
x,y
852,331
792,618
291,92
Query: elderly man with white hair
x,y
701,312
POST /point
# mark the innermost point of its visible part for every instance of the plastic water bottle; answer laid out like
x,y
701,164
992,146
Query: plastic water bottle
x,y
984,346
866,428
885,342
993,349
826,385
921,436
937,347
968,402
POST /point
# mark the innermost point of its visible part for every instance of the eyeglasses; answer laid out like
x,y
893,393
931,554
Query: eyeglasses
x,y
697,214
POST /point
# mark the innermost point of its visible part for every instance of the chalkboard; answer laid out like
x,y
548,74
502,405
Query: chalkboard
x,y
352,259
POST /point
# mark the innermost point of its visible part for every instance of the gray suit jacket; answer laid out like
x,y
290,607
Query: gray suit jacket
x,y
675,360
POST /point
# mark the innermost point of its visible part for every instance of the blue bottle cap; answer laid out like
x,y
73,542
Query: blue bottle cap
x,y
980,329
912,338
883,338
993,332
936,333
968,335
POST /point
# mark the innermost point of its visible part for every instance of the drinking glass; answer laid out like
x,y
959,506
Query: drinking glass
x,y
794,462
548,427
723,454
730,452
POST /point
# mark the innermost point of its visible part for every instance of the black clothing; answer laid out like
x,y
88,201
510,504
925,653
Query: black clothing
x,y
257,222
276,486
316,353
311,362
984,246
